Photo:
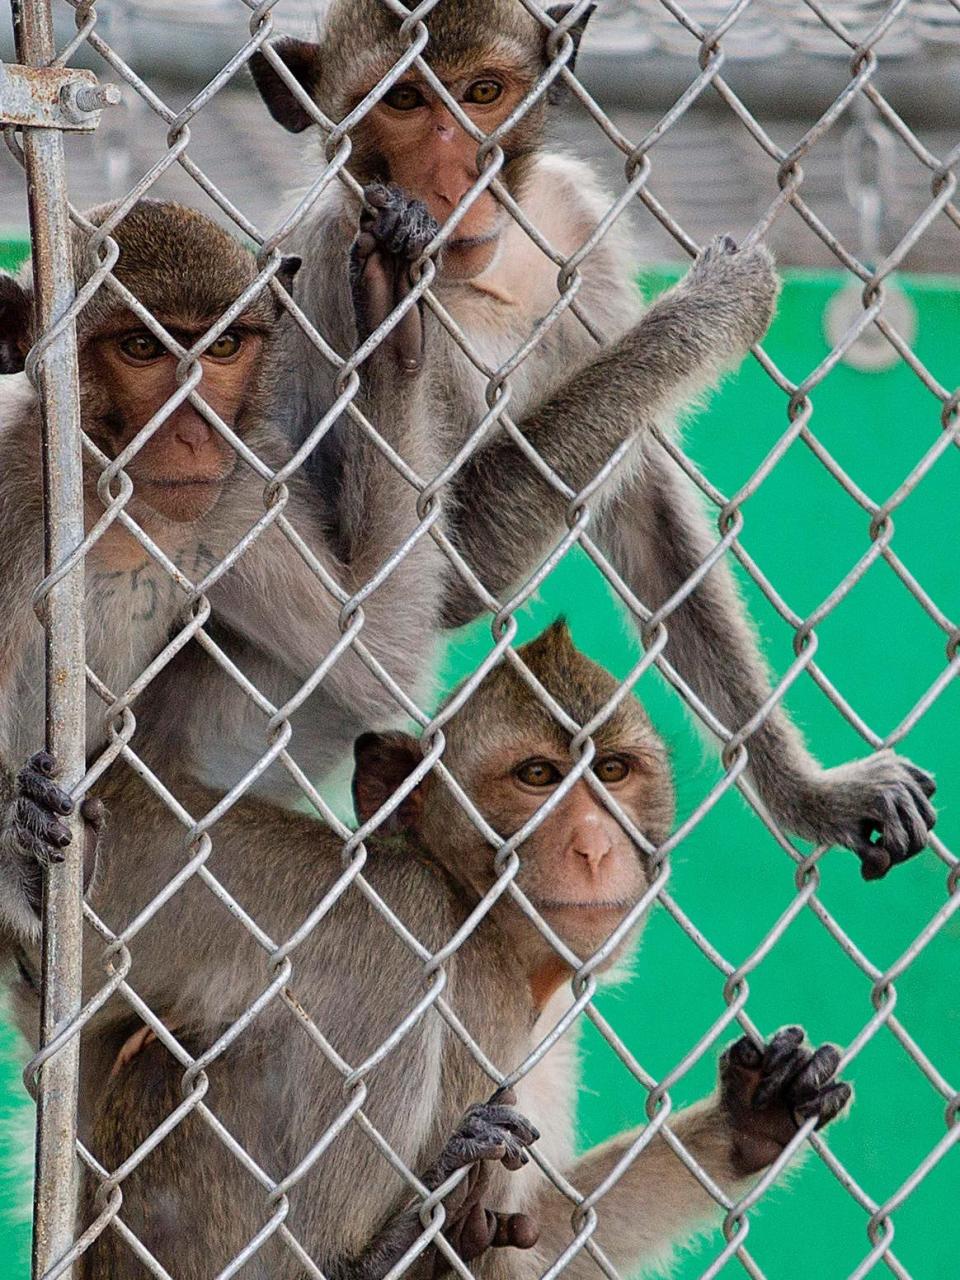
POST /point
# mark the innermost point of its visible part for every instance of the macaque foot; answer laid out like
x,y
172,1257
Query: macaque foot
x,y
736,290
489,1133
768,1092
38,813
393,234
879,807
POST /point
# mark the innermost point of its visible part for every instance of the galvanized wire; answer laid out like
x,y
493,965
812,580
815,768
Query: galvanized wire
x,y
710,33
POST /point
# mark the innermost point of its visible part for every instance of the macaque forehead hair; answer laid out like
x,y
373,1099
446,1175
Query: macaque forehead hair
x,y
464,35
504,712
175,261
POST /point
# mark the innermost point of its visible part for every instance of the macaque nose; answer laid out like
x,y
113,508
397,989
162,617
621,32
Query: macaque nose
x,y
192,431
451,184
590,839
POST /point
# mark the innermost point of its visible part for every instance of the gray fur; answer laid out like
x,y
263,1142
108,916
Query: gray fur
x,y
577,403
195,1206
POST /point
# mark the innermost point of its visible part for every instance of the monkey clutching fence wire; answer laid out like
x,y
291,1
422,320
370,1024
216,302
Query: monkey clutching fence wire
x,y
278,1085
575,401
195,499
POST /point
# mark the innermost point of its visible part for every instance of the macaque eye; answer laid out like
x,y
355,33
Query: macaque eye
x,y
404,97
227,345
483,92
537,773
142,347
611,769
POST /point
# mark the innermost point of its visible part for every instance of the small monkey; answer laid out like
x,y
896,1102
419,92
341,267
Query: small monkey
x,y
355,978
195,497
574,399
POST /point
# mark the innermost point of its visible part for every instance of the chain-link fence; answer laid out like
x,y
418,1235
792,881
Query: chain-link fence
x,y
892,156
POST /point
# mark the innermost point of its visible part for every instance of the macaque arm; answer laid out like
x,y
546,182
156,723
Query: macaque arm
x,y
22,851
656,537
656,1203
508,515
766,1092
274,598
367,500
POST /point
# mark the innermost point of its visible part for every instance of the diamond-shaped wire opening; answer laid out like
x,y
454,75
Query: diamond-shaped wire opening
x,y
708,33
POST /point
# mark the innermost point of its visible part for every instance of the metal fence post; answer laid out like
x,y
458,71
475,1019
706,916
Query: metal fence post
x,y
57,1081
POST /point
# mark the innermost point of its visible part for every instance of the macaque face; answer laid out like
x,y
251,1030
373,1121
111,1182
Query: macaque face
x,y
579,868
430,155
180,471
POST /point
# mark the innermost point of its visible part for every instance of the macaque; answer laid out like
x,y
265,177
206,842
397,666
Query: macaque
x,y
280,1082
603,372
194,497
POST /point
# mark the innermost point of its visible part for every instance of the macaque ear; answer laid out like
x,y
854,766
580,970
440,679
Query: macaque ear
x,y
383,761
302,59
287,270
558,12
16,324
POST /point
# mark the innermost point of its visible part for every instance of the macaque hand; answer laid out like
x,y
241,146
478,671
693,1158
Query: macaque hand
x,y
393,234
768,1092
884,796
735,292
489,1133
38,812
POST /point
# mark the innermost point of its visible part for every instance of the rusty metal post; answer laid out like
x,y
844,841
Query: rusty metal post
x,y
56,1168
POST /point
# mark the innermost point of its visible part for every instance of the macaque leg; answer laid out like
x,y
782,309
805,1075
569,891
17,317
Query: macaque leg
x,y
170,1219
489,1133
656,537
765,1095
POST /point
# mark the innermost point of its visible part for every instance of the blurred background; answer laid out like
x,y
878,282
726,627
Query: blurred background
x,y
637,59
875,414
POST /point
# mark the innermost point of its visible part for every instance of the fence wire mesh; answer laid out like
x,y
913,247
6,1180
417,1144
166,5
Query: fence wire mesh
x,y
708,37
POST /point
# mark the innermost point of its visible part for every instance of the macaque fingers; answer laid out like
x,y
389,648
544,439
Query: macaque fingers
x,y
473,1233
767,1093
490,1229
380,284
35,782
406,338
516,1231
40,807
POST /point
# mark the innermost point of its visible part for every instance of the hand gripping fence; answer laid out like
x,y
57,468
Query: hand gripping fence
x,y
705,29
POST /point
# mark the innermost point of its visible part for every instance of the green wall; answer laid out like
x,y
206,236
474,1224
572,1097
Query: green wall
x,y
729,875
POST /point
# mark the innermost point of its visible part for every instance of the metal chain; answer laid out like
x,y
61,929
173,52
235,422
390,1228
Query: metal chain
x,y
703,31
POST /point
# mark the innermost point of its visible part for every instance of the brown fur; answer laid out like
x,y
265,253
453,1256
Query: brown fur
x,y
579,393
354,979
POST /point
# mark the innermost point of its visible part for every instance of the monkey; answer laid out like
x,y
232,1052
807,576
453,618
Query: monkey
x,y
194,498
596,368
277,617
356,977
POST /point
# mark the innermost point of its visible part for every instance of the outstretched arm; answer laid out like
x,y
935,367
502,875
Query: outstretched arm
x,y
656,537
765,1095
507,516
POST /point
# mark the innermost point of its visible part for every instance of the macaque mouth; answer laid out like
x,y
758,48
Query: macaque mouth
x,y
591,904
171,482
474,242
